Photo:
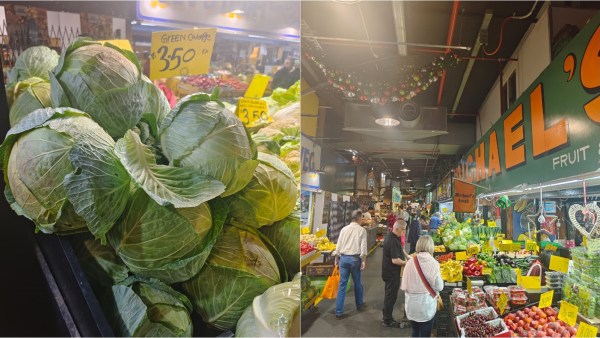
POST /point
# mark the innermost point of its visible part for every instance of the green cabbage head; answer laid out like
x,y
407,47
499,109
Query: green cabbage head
x,y
27,96
36,61
269,197
201,133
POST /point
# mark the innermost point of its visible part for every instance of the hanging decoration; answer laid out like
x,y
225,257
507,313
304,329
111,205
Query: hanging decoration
x,y
503,202
355,85
590,220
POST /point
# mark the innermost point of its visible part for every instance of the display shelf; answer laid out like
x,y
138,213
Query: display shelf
x,y
308,258
310,304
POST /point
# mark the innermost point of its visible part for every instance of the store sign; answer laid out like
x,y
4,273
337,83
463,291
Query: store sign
x,y
464,197
181,52
310,161
551,131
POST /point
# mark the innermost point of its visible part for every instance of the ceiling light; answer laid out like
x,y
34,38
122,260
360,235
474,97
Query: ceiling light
x,y
387,122
404,170
237,11
428,184
409,180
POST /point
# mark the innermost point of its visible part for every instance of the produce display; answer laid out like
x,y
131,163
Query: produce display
x,y
305,248
445,257
309,291
457,236
480,326
492,294
439,248
482,234
473,267
451,270
580,287
167,196
207,83
464,302
536,322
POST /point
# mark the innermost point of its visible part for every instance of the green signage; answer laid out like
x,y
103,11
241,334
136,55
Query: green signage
x,y
552,131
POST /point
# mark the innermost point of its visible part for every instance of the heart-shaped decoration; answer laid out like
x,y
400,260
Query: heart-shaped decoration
x,y
591,218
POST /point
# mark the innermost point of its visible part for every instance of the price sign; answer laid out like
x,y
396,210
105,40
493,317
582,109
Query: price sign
x,y
469,286
497,243
251,111
586,330
506,247
486,249
461,256
486,271
584,241
531,282
568,313
472,251
516,247
507,241
550,247
122,43
559,264
181,52
518,273
257,86
546,299
500,236
501,303
531,246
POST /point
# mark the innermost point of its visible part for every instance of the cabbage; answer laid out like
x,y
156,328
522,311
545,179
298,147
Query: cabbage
x,y
146,307
105,82
284,236
275,313
269,197
33,62
57,153
239,268
27,96
163,242
101,264
200,133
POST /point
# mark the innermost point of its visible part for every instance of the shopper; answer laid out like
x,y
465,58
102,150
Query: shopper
x,y
434,223
393,258
287,75
351,257
420,305
403,214
391,219
415,232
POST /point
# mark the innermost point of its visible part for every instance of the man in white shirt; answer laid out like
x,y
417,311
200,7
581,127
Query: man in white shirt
x,y
351,257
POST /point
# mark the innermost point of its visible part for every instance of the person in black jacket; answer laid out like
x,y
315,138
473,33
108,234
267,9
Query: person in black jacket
x,y
415,232
287,75
393,259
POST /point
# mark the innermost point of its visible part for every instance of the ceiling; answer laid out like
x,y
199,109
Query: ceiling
x,y
359,37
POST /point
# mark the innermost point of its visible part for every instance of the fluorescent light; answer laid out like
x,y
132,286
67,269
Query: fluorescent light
x,y
387,122
428,184
237,11
256,36
502,193
408,180
552,185
404,170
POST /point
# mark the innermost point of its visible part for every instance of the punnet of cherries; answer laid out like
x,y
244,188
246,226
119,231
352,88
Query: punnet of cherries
x,y
475,326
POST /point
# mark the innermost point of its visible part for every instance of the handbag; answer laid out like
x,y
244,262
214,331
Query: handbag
x,y
440,303
331,286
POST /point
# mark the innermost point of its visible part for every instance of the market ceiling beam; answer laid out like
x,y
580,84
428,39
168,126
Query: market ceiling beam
x,y
332,41
448,42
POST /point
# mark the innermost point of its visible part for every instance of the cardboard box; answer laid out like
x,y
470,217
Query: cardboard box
x,y
319,269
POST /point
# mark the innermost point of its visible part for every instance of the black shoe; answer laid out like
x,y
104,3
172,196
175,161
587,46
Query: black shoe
x,y
391,323
362,307
342,316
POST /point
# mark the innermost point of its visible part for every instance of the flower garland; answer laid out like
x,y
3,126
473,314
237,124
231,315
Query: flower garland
x,y
414,81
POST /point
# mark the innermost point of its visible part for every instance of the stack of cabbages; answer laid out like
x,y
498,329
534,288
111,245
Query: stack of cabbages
x,y
184,213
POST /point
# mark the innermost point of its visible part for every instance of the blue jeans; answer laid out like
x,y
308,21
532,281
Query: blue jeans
x,y
422,329
349,265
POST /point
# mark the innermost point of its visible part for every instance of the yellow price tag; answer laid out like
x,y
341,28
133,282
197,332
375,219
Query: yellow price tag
x,y
516,247
486,271
251,111
501,303
559,264
518,273
500,236
469,286
257,86
585,241
486,249
507,241
568,313
550,247
586,330
546,299
122,43
181,52
473,250
506,247
531,246
531,282
461,256
497,243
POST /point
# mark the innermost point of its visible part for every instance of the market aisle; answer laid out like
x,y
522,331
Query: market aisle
x,y
321,321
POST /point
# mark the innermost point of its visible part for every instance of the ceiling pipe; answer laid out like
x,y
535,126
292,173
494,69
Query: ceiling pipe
x,y
448,42
329,40
487,18
398,11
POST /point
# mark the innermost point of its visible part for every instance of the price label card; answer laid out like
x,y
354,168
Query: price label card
x,y
546,299
507,241
586,330
559,264
531,282
486,249
501,303
550,247
518,273
486,271
472,251
257,86
516,247
251,111
461,256
584,241
497,243
568,313
506,247
469,286
531,246
500,236
181,52
122,43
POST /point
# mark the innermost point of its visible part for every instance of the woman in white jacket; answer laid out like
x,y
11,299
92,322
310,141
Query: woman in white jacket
x,y
421,296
